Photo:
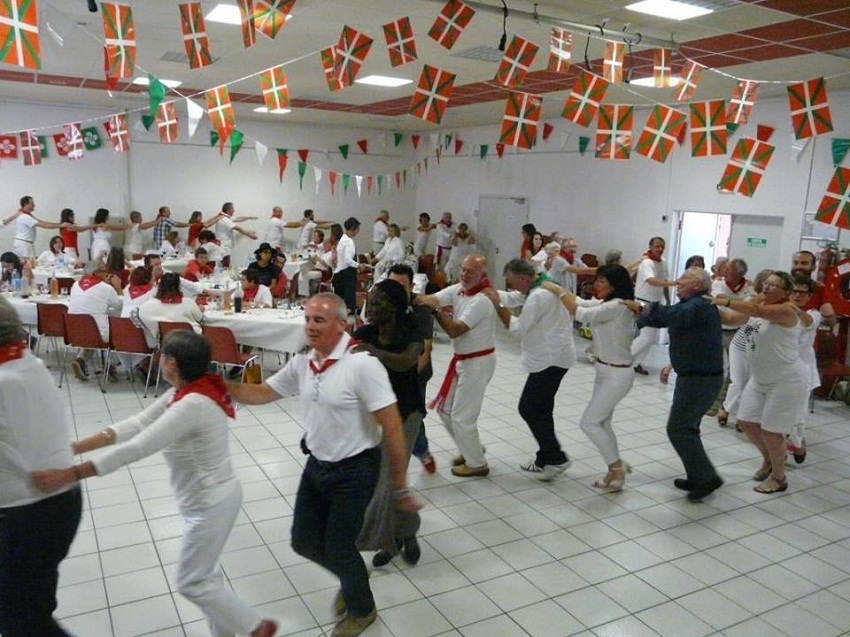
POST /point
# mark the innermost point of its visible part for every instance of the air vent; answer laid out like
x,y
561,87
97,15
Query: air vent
x,y
481,53
178,57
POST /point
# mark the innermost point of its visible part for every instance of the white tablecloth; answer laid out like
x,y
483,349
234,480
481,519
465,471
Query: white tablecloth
x,y
279,330
41,276
26,308
169,265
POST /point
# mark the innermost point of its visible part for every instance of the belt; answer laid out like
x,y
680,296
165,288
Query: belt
x,y
612,364
702,374
327,464
24,240
451,373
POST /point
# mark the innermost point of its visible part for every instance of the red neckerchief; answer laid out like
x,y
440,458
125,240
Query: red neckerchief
x,y
248,295
12,351
89,281
136,291
475,289
330,362
652,257
171,299
525,250
734,289
569,256
211,386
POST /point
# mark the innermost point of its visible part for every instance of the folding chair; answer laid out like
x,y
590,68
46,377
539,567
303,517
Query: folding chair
x,y
225,350
81,330
164,328
51,324
125,337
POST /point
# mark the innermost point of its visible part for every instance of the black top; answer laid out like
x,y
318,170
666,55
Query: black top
x,y
267,273
696,347
425,323
403,383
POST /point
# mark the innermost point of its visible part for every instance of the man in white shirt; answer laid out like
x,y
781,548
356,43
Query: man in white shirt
x,y
650,287
97,295
342,396
345,270
570,248
225,228
445,233
380,231
307,225
471,329
274,230
548,351
25,229
36,530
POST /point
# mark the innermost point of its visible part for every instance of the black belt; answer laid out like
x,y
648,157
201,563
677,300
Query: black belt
x,y
612,364
327,464
24,240
705,374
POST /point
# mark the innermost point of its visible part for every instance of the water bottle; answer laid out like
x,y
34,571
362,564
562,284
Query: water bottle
x,y
15,282
217,275
237,299
24,286
60,262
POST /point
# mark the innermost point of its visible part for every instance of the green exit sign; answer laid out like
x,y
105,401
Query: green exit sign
x,y
755,242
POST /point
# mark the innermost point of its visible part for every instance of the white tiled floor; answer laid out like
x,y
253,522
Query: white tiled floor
x,y
501,556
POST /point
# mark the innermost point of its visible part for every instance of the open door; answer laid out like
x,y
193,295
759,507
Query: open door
x,y
701,233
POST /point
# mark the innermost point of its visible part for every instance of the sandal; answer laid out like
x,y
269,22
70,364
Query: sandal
x,y
763,474
613,481
778,486
723,418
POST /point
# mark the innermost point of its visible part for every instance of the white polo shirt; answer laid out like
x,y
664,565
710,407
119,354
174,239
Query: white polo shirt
x,y
224,233
649,269
25,227
476,312
98,301
337,405
306,235
274,232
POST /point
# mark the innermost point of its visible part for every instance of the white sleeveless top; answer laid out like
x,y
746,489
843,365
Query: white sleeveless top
x,y
807,351
775,352
133,242
100,244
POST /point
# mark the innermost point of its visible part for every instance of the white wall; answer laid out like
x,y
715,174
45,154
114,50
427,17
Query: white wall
x,y
621,204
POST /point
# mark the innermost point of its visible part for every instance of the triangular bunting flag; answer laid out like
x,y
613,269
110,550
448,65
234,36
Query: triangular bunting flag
x,y
148,120
451,22
370,184
612,65
195,38
303,153
439,154
262,150
237,138
302,169
810,114
358,180
397,139
281,163
156,93
415,139
614,131
363,145
343,150
458,146
747,165
522,114
270,16
741,104
583,143
516,62
565,137
346,182
194,113
547,130
166,122
400,43
213,138
764,132
660,133
318,173
275,90
30,148
708,128
432,94
222,117
349,55
483,150
380,184
447,140
328,58
332,179
249,27
834,208
119,134
19,41
500,150
731,127
839,150
584,99
661,68
560,50
398,180
688,81
119,32
91,138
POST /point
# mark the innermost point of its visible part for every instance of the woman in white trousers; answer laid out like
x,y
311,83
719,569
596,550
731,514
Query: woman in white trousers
x,y
613,327
189,424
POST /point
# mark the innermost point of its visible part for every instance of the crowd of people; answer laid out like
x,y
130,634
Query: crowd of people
x,y
741,350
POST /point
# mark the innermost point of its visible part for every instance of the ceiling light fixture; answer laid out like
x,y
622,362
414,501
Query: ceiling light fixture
x,y
229,14
143,81
383,80
650,81
276,111
671,9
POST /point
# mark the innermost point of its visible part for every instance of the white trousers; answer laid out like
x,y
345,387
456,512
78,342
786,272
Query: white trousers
x,y
24,249
609,387
199,576
644,341
739,374
463,406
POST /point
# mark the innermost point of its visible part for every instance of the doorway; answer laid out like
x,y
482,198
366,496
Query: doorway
x,y
500,218
703,233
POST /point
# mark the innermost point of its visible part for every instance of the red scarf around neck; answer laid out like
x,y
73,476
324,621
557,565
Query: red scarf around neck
x,y
89,281
135,291
525,250
212,387
249,295
652,257
475,289
570,257
12,351
318,370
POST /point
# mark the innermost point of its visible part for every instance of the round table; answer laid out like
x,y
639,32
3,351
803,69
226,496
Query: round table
x,y
278,330
169,265
42,276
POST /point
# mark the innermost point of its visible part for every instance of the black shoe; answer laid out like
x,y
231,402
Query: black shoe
x,y
381,558
410,551
698,493
639,369
683,483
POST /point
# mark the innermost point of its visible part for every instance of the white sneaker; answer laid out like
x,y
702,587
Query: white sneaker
x,y
546,473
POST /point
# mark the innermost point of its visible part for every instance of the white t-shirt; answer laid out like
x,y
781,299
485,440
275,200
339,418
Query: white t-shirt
x,y
35,429
444,236
613,328
476,312
649,269
392,252
263,296
274,232
214,251
337,405
25,227
97,301
193,437
420,244
133,241
131,304
571,278
546,330
155,311
168,251
100,244
558,272
380,232
224,233
48,259
306,235
775,352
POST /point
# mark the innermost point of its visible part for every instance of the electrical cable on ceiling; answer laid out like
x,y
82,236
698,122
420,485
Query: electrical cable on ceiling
x,y
504,41
92,6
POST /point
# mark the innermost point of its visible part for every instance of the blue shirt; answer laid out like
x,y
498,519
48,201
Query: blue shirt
x,y
696,347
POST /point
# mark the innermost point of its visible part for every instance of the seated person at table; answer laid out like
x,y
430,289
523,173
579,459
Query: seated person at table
x,y
253,291
391,253
168,304
199,266
267,271
55,256
280,288
96,294
170,248
207,240
115,265
11,262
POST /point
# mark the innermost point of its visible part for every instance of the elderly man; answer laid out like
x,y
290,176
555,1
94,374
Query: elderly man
x,y
225,228
342,395
307,225
548,351
380,231
471,368
696,353
650,287
165,224
274,229
445,233
96,294
36,530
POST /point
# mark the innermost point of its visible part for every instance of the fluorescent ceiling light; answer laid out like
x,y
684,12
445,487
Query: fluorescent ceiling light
x,y
277,111
383,80
143,81
229,14
650,81
671,9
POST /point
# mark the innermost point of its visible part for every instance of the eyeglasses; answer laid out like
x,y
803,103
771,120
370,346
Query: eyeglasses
x,y
805,292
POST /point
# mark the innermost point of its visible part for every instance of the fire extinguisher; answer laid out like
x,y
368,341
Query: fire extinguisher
x,y
826,259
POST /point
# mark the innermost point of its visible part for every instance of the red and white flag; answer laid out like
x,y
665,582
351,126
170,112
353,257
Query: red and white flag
x,y
584,99
249,26
166,122
432,94
810,115
661,68
516,62
30,148
119,32
746,167
451,22
741,104
271,15
612,63
834,208
349,55
275,90
195,37
522,116
560,50
688,81
614,131
8,146
119,133
400,43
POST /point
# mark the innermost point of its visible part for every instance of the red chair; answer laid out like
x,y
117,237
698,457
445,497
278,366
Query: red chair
x,y
65,284
51,323
164,328
426,265
292,292
225,350
125,337
81,330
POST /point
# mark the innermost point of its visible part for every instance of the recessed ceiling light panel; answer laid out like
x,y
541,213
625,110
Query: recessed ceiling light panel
x,y
276,111
650,81
143,81
671,9
225,14
383,80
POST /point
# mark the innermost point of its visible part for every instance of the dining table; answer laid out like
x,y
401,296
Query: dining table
x,y
169,265
280,330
